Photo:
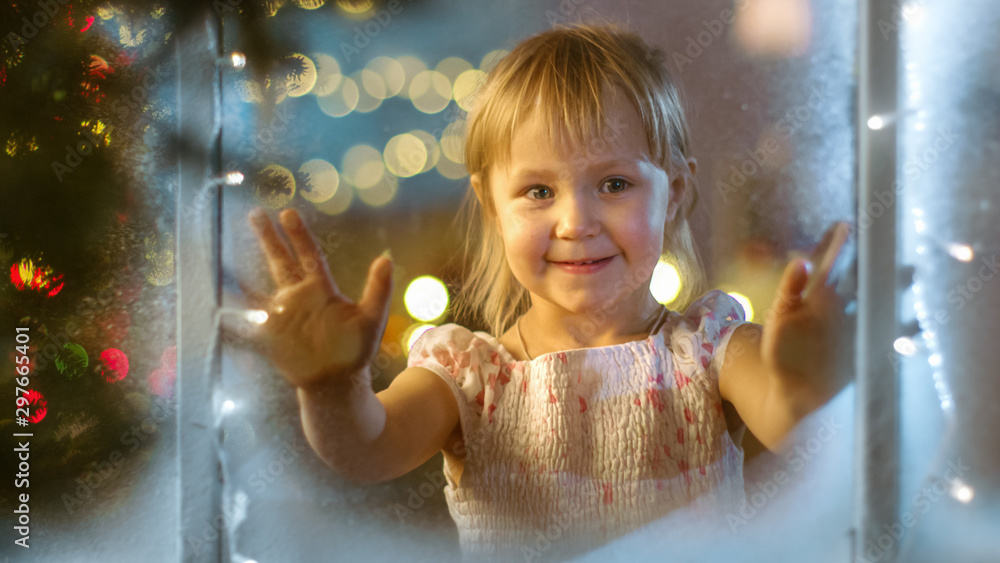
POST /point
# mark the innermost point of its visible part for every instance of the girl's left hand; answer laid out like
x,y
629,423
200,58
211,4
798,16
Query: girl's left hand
x,y
804,344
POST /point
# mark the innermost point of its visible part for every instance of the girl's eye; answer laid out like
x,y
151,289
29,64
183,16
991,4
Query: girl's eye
x,y
622,185
539,189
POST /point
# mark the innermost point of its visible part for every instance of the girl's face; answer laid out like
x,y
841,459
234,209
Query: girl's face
x,y
606,201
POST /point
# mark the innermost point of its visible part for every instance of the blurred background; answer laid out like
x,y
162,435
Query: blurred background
x,y
353,113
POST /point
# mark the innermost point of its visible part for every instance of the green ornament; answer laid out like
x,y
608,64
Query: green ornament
x,y
72,360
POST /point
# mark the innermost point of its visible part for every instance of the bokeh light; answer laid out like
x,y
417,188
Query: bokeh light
x,y
274,186
31,275
363,166
413,333
381,193
302,84
159,259
430,91
318,180
412,66
665,284
466,86
450,169
72,360
328,75
431,147
453,141
770,27
392,73
248,91
405,155
744,301
341,101
452,67
339,202
371,90
491,59
355,6
114,365
426,298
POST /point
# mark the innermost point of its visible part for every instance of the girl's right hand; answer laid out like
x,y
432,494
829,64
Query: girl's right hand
x,y
314,335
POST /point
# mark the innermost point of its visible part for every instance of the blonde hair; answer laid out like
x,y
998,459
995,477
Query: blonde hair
x,y
565,71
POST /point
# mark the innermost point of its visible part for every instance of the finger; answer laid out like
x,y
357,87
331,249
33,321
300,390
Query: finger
x,y
312,260
378,290
793,280
284,269
833,242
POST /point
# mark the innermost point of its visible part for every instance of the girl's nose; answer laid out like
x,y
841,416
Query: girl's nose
x,y
578,217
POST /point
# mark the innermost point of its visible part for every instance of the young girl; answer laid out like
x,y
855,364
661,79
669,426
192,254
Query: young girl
x,y
589,409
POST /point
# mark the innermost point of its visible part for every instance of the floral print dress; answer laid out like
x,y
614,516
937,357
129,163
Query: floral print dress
x,y
572,449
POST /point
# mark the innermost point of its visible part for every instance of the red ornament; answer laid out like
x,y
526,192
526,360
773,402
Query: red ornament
x,y
114,366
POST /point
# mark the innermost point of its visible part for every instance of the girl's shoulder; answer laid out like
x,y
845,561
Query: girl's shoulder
x,y
455,348
712,315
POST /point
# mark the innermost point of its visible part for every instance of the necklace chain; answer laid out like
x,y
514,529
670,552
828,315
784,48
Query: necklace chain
x,y
524,348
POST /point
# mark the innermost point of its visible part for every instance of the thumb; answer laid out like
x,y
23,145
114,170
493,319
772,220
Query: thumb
x,y
793,281
378,289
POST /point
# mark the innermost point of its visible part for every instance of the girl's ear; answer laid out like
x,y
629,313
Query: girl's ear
x,y
679,187
477,185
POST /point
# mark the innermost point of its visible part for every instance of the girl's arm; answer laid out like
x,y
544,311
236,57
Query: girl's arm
x,y
321,342
370,437
777,374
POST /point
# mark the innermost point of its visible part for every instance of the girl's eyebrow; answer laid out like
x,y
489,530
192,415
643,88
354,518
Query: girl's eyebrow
x,y
522,172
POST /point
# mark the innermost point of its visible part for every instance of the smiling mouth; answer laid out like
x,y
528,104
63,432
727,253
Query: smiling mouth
x,y
587,262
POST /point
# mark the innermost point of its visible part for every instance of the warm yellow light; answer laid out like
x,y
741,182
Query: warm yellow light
x,y
371,88
665,284
405,155
962,252
426,298
452,67
381,193
744,301
466,86
392,73
412,334
431,146
412,66
320,180
355,6
363,166
492,58
341,101
303,83
453,141
328,75
430,91
274,186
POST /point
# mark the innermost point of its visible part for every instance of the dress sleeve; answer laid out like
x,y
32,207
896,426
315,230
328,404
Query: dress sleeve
x,y
713,318
456,354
